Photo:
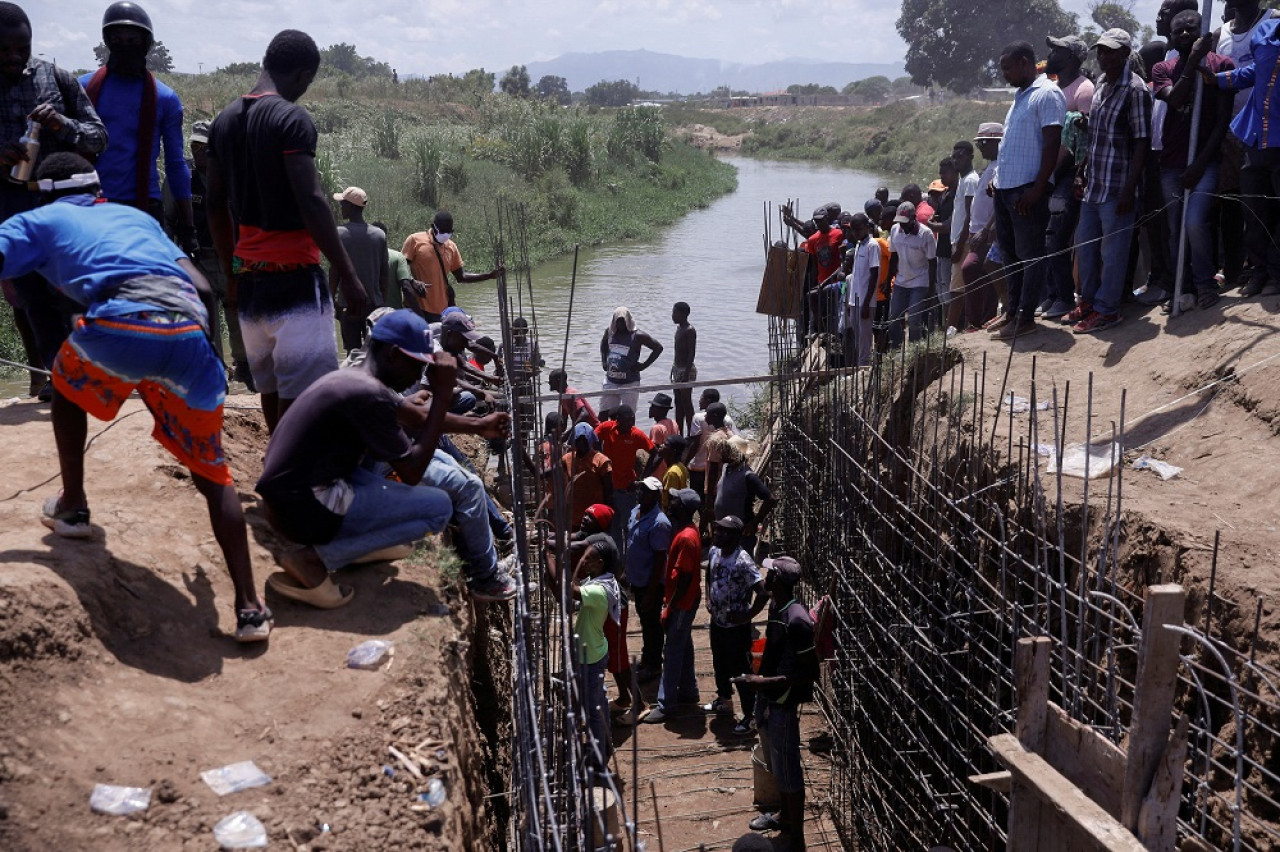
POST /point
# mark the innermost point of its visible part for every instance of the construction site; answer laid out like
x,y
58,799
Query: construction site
x,y
1051,568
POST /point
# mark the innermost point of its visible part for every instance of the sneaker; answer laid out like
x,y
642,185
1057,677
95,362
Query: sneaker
x,y
1207,299
1044,307
628,718
254,625
1096,322
1271,288
499,587
746,727
767,822
999,322
1058,309
1015,329
720,707
1253,287
509,566
46,392
68,523
1152,296
1078,313
655,716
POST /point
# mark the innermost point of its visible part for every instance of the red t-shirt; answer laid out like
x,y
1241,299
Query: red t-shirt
x,y
621,448
684,557
825,249
573,406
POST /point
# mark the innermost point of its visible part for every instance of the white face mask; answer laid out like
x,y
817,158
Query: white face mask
x,y
443,238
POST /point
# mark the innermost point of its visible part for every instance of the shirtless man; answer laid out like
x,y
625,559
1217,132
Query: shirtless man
x,y
683,369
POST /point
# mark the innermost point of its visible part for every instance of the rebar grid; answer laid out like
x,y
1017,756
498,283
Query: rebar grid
x,y
933,523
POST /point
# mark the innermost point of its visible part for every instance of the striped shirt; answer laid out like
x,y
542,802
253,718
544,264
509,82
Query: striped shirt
x,y
1034,108
1121,114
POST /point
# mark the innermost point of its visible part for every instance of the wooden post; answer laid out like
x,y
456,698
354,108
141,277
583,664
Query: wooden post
x,y
1153,696
1158,820
1031,680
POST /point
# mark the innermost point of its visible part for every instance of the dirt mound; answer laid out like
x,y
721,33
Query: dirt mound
x,y
117,667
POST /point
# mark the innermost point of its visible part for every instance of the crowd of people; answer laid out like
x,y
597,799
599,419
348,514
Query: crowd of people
x,y
121,281
1163,156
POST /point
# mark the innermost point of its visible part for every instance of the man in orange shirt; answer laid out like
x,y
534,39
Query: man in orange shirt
x,y
620,440
432,255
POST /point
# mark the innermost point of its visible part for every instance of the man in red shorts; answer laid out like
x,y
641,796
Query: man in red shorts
x,y
144,327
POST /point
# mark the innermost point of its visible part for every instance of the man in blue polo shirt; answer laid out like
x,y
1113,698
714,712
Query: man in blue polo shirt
x,y
1028,156
144,327
648,540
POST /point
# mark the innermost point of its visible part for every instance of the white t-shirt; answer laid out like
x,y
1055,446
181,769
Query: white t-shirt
x,y
984,206
967,188
866,257
914,252
1158,109
1238,47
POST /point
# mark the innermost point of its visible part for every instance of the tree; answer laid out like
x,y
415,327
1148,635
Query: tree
x,y
612,94
241,68
1108,14
158,59
873,90
960,47
343,58
515,82
810,89
553,88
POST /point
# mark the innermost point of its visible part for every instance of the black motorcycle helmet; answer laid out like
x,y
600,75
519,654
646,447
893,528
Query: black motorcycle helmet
x,y
127,14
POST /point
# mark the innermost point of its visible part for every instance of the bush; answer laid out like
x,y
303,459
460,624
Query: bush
x,y
428,159
386,137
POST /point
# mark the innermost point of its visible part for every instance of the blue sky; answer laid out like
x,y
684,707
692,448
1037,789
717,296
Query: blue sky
x,y
434,36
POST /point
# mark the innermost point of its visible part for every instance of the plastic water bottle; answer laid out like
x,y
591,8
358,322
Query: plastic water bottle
x,y
22,170
241,830
435,795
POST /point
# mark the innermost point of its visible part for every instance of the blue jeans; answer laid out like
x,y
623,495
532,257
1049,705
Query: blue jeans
x,y
909,301
384,513
595,706
679,680
474,541
1103,262
1199,230
1021,239
1064,213
497,522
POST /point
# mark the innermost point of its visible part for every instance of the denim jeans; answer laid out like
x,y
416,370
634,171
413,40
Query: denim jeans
x,y
595,705
679,680
1259,188
497,521
1103,238
474,541
384,513
1199,228
911,301
1021,240
1064,214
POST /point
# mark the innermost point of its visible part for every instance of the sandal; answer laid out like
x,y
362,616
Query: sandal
x,y
254,625
68,523
327,595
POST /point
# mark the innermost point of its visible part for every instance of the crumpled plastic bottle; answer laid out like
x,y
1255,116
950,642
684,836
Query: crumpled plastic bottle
x,y
370,655
241,830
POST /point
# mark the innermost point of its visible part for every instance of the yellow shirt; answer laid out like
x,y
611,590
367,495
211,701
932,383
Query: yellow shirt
x,y
675,477
430,261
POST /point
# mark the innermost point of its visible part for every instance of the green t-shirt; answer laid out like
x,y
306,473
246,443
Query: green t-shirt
x,y
400,271
592,646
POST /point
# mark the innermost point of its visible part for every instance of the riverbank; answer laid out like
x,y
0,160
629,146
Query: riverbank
x,y
906,138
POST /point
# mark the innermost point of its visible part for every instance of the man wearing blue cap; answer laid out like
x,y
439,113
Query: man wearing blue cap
x,y
318,492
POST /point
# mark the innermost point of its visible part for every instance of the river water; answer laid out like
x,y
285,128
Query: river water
x,y
712,258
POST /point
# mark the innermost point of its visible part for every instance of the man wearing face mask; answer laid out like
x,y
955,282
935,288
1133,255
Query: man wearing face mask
x,y
141,115
432,255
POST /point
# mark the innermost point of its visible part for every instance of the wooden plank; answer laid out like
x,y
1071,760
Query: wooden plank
x,y
783,285
1153,696
1093,827
1031,681
1158,820
1087,759
998,781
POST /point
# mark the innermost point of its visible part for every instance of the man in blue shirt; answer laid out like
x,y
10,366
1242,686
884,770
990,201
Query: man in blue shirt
x,y
141,114
1028,156
648,540
145,328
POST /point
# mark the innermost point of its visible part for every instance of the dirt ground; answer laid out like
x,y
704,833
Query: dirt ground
x,y
116,667
1201,392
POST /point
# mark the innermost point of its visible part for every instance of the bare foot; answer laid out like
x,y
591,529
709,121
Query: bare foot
x,y
304,565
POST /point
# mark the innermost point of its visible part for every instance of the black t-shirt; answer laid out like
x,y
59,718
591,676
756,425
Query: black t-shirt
x,y
943,214
250,139
338,421
789,651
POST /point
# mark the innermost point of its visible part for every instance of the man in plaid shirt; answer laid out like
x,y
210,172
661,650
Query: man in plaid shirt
x,y
1119,134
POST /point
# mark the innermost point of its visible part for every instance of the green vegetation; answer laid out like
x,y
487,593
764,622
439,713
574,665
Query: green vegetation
x,y
588,176
900,138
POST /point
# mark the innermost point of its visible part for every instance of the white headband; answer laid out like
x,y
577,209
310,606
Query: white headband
x,y
80,181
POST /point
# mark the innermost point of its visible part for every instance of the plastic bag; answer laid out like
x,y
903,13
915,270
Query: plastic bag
x,y
119,801
241,830
235,777
1166,470
1099,459
370,655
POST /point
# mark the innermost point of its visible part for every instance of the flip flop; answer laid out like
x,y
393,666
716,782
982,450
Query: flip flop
x,y
387,554
327,595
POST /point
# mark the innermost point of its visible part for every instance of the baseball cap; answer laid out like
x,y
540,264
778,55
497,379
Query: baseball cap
x,y
353,195
1114,38
1072,42
602,513
460,322
651,483
200,132
686,498
785,569
584,430
906,212
938,186
407,331
730,522
990,130
661,400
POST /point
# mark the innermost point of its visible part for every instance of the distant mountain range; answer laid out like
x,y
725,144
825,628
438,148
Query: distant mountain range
x,y
663,72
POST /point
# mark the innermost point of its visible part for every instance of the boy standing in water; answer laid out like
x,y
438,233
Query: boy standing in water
x,y
683,369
